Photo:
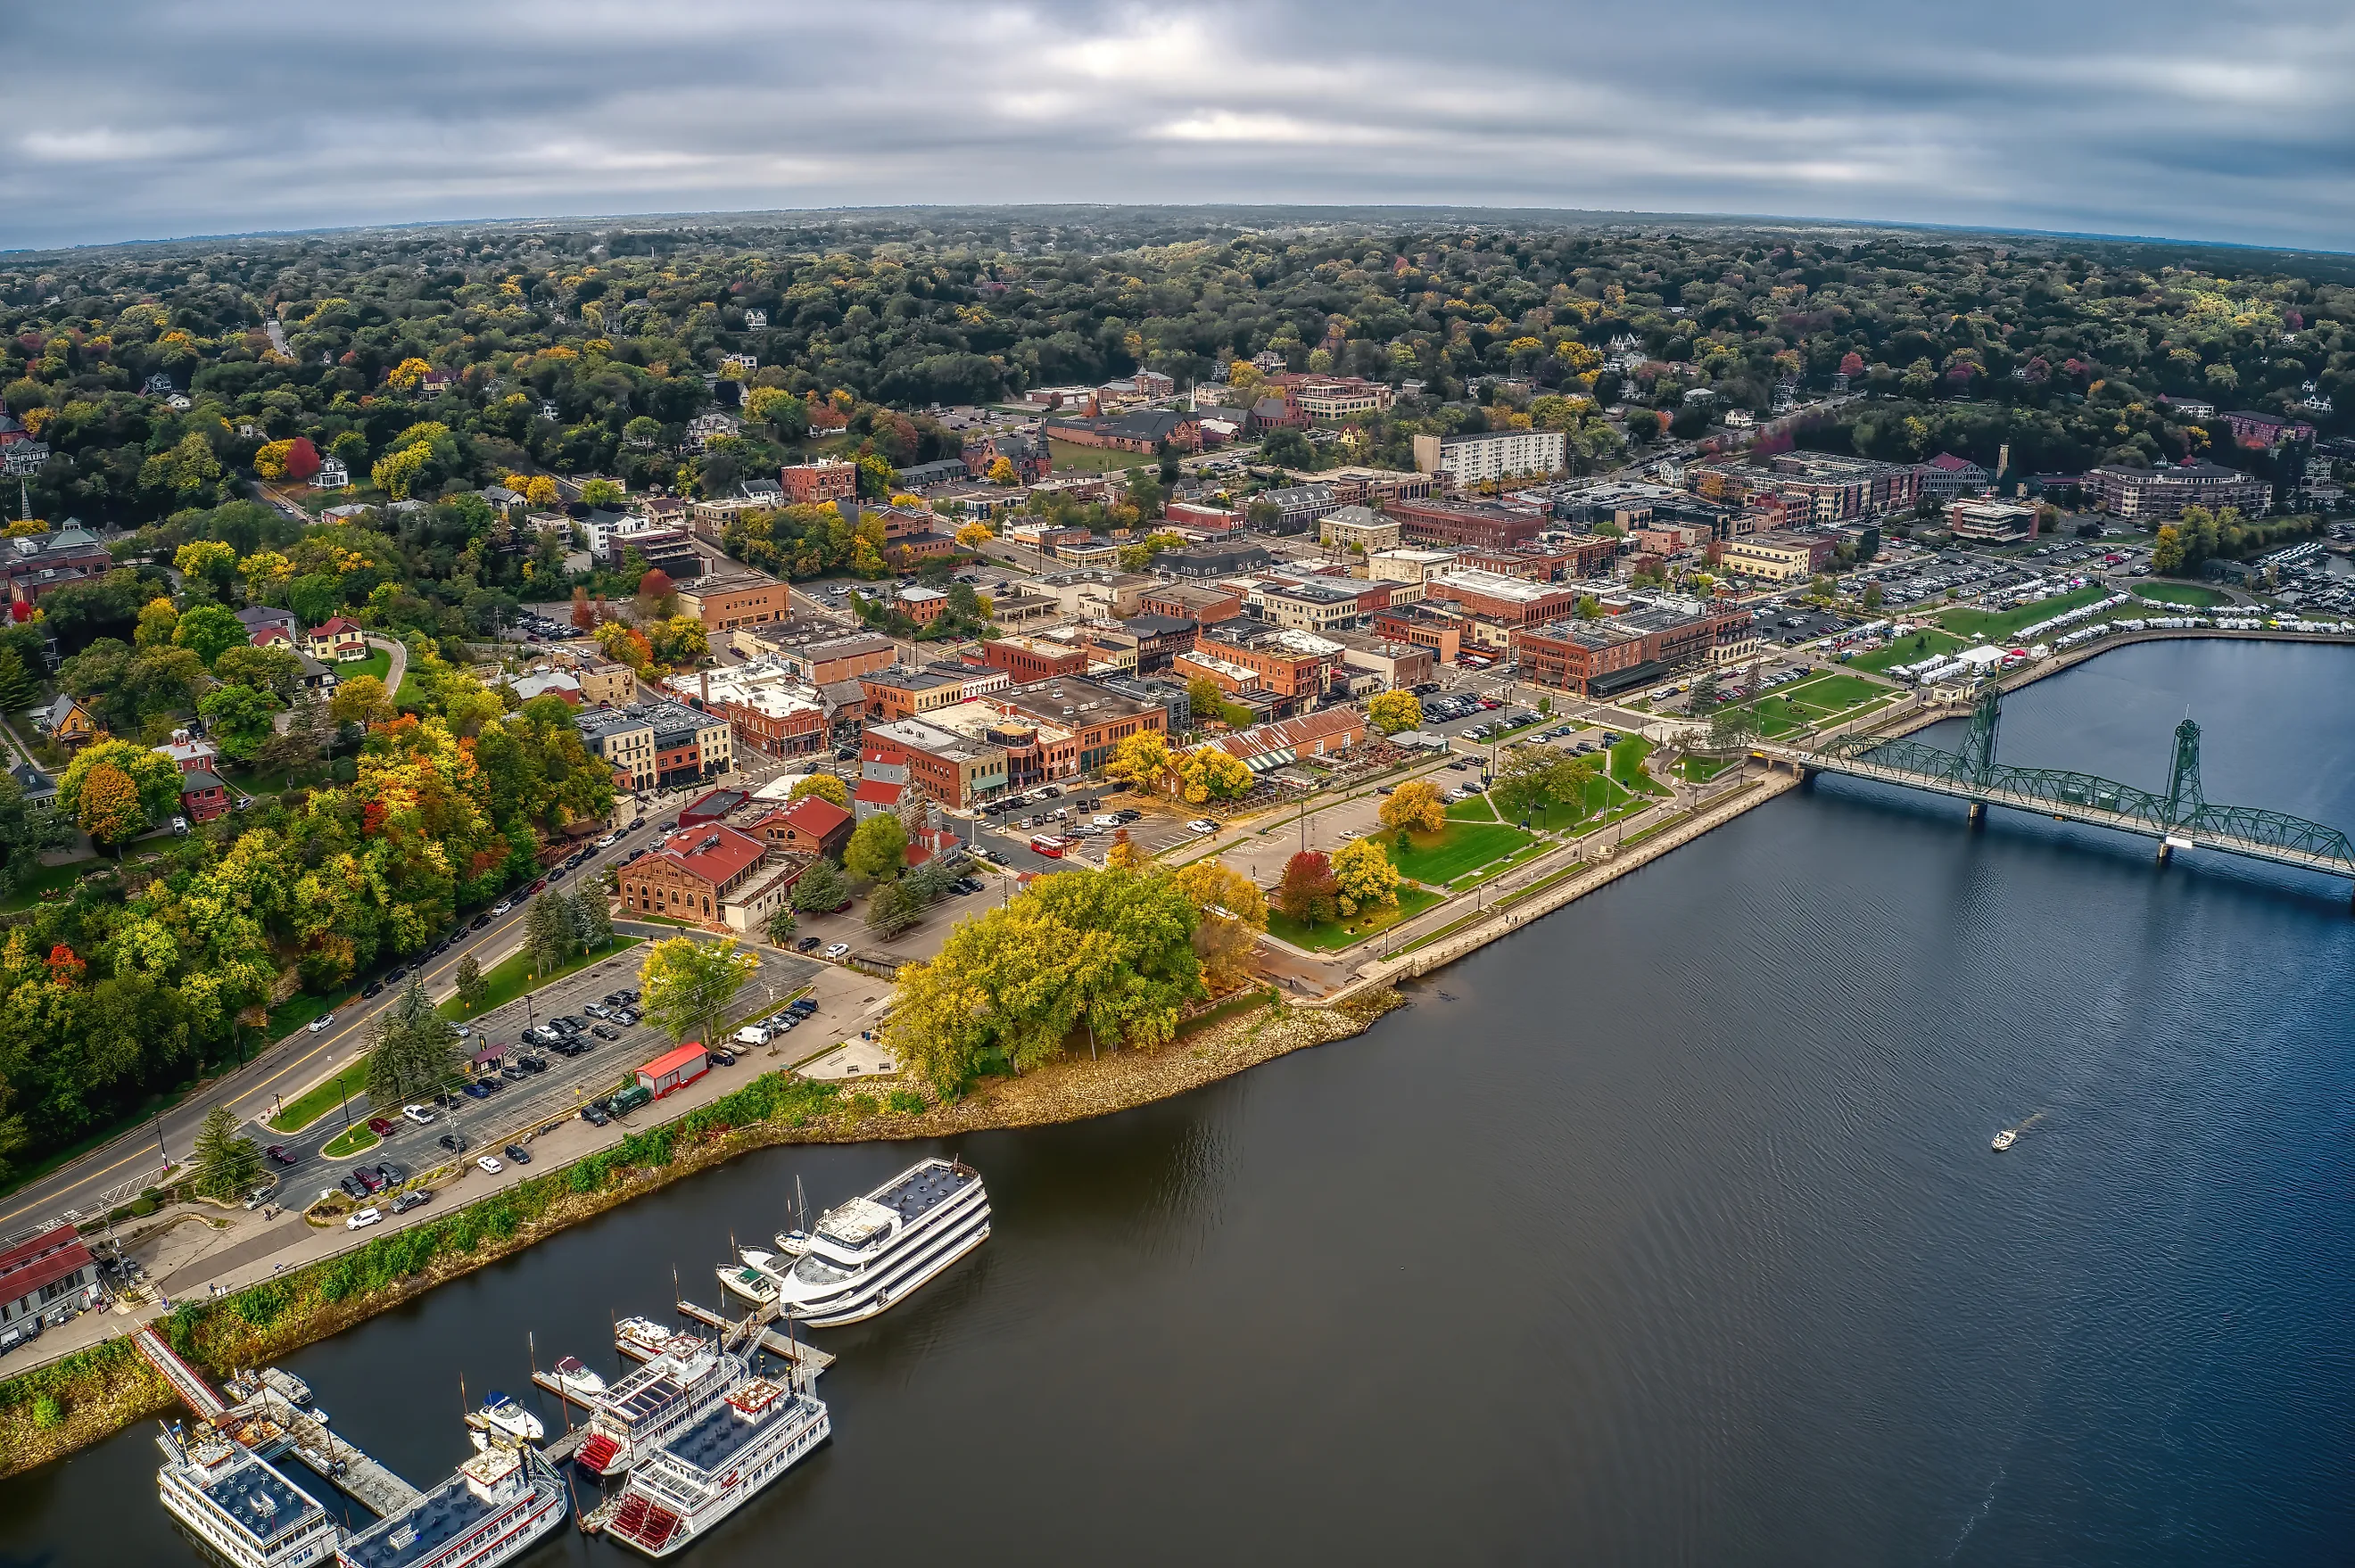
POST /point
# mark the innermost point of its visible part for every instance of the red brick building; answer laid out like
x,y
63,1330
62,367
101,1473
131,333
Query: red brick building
x,y
689,876
203,797
827,479
1457,524
810,826
1027,660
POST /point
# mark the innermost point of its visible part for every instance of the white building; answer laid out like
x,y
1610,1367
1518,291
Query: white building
x,y
332,476
1491,454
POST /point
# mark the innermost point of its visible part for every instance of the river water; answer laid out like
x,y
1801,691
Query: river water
x,y
1665,1231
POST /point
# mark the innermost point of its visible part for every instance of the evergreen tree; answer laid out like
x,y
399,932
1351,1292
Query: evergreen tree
x,y
547,932
472,986
782,924
411,1051
228,1167
591,919
15,685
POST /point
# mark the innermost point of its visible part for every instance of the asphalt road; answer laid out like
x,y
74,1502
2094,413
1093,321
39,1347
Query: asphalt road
x,y
285,1069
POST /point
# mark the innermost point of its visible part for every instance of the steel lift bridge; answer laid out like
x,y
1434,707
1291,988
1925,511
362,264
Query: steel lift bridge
x,y
2181,818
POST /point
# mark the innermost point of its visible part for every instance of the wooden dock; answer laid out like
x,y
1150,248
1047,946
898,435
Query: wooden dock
x,y
800,1353
350,1470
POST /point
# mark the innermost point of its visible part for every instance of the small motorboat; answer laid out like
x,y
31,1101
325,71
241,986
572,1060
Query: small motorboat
x,y
792,1244
577,1378
750,1279
2004,1139
502,1420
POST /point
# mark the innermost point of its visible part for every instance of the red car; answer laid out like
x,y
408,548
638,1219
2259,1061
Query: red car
x,y
381,1127
539,886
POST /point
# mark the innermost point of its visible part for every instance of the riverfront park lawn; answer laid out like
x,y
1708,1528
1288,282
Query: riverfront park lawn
x,y
1995,626
1332,935
2189,594
1456,849
511,976
1926,642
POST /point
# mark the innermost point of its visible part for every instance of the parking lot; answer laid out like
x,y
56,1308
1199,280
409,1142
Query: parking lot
x,y
518,1097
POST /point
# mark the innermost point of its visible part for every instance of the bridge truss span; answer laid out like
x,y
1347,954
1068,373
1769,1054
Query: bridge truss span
x,y
2180,818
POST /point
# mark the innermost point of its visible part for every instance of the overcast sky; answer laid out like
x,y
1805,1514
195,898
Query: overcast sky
x,y
2206,119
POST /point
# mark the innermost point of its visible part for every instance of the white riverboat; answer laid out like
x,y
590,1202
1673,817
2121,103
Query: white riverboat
x,y
237,1508
638,1414
491,1509
642,1339
868,1253
575,1377
706,1471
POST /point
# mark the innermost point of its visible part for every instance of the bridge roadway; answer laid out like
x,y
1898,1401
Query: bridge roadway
x,y
1981,794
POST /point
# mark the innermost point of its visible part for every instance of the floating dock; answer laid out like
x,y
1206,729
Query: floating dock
x,y
270,1424
753,1328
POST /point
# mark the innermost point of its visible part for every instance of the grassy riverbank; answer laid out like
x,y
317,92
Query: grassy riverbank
x,y
51,1412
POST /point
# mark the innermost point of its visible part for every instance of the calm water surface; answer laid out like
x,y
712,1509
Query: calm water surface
x,y
1666,1231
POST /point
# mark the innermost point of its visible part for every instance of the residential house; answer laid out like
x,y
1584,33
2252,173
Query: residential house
x,y
68,722
44,1268
338,640
203,797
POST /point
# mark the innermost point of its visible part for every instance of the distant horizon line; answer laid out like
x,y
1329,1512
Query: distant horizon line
x,y
1327,212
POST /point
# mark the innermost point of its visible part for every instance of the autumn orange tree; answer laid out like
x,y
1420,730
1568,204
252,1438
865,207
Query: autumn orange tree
x,y
110,812
1414,807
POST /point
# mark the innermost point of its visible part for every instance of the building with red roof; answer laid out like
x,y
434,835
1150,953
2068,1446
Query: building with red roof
x,y
42,1269
674,1069
810,826
693,876
203,797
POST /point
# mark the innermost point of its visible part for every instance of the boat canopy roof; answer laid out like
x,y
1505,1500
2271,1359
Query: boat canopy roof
x,y
855,1223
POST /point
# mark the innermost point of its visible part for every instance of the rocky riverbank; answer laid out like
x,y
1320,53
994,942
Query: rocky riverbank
x,y
56,1410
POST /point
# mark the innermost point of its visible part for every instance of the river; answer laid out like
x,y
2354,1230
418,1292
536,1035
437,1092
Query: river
x,y
1666,1232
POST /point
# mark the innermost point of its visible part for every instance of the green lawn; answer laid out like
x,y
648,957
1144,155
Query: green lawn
x,y
1996,625
1817,701
378,664
321,1098
48,878
1333,935
1073,458
512,976
2189,594
1701,770
1628,764
1921,645
348,1143
1438,859
1473,808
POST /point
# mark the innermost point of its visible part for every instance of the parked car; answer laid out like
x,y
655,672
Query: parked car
x,y
368,1176
454,1142
627,1017
417,1113
324,1021
478,1090
838,950
721,1057
362,1220
597,1009
488,1164
503,906
397,973
352,1185
393,1171
412,1198
605,1031
802,1004
807,944
373,989
1201,824
381,1127
594,1114
518,1153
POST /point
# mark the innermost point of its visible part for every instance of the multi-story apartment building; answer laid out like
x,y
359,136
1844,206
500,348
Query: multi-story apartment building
x,y
1839,488
1202,603
2159,493
1324,397
1027,660
1359,528
1470,458
1778,557
1318,604
950,768
1295,667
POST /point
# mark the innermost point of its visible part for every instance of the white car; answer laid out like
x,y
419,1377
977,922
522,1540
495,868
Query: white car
x,y
1106,821
363,1219
838,950
324,1021
607,841
487,1163
417,1113
502,908
1202,824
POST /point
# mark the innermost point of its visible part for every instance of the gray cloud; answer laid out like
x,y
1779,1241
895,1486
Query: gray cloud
x,y
2194,121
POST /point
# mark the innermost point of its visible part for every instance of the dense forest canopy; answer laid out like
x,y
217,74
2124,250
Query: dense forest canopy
x,y
435,358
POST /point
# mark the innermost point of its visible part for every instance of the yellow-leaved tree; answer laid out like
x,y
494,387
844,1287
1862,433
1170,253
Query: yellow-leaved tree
x,y
406,376
1233,912
1414,807
1393,712
1208,773
1142,762
1367,877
